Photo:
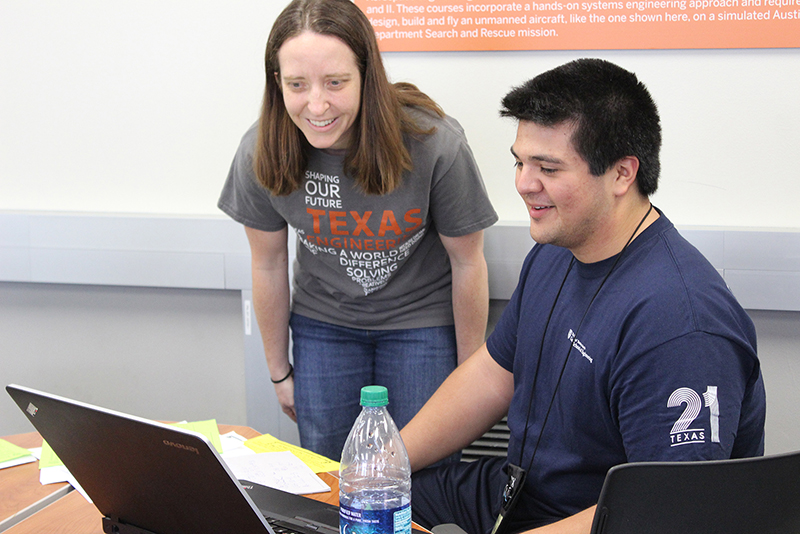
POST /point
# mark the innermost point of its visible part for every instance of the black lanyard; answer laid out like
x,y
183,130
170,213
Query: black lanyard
x,y
516,474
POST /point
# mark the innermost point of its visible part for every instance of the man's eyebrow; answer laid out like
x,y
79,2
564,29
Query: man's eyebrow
x,y
542,158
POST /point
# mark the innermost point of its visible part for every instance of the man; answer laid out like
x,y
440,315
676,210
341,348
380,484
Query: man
x,y
621,342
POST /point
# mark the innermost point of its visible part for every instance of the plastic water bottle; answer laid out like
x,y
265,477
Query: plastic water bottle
x,y
374,474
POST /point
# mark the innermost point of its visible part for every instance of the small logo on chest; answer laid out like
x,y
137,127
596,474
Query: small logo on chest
x,y
577,345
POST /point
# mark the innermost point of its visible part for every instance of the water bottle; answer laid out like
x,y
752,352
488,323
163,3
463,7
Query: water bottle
x,y
374,474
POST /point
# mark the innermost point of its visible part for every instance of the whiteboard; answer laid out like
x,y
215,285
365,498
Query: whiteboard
x,y
138,107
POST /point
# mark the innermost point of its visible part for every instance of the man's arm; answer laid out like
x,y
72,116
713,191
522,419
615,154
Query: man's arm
x,y
580,523
470,291
472,399
270,265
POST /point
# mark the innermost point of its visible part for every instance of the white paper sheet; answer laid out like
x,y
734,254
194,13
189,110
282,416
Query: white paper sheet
x,y
35,454
280,470
59,473
17,461
233,445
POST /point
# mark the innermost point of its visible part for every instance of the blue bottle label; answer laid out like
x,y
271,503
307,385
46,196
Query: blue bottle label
x,y
391,521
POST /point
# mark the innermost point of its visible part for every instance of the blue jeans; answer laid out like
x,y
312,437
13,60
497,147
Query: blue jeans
x,y
332,363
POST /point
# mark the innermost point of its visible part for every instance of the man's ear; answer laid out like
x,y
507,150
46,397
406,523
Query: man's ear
x,y
627,168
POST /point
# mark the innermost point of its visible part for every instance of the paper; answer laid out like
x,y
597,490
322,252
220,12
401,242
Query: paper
x,y
233,445
279,470
18,461
48,457
317,462
59,473
208,428
9,451
52,471
11,455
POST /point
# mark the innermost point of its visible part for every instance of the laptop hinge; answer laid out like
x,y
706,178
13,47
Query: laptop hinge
x,y
115,526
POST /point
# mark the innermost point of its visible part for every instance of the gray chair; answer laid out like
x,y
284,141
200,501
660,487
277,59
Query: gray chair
x,y
749,496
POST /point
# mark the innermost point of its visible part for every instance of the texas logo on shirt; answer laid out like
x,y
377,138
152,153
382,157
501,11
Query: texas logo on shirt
x,y
689,428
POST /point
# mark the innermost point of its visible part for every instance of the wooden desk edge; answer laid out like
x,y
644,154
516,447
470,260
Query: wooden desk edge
x,y
35,507
43,495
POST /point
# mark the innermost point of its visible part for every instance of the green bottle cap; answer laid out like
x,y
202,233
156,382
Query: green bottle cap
x,y
374,396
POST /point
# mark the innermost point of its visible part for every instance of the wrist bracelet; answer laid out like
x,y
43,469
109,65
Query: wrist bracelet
x,y
290,373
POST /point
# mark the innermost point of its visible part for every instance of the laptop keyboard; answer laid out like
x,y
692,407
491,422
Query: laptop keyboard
x,y
282,527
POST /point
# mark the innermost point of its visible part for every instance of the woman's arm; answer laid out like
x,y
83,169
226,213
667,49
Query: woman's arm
x,y
470,291
270,265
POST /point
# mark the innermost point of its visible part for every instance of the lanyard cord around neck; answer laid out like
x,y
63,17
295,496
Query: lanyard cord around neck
x,y
569,350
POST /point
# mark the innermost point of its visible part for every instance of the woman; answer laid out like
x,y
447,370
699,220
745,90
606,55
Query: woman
x,y
389,208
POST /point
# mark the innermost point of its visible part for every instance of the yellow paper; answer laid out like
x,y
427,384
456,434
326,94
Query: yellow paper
x,y
48,458
268,443
208,428
9,451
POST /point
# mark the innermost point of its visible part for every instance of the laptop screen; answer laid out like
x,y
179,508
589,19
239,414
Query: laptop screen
x,y
138,472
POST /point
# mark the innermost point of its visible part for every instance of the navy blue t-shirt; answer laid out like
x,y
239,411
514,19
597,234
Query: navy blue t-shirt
x,y
661,367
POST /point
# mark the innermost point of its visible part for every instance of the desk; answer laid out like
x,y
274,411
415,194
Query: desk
x,y
22,493
72,514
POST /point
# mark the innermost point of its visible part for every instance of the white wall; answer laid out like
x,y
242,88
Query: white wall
x,y
729,124
167,354
137,107
777,352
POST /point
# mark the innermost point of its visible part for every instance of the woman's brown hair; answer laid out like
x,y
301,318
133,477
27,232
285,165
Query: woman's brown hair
x,y
377,156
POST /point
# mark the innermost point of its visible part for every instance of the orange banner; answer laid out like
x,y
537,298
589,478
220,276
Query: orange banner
x,y
420,25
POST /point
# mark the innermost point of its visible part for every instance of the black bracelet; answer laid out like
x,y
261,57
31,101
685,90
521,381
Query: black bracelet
x,y
290,373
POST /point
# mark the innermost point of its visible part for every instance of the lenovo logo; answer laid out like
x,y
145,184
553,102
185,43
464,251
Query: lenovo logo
x,y
181,446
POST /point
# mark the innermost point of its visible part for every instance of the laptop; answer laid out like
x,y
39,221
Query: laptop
x,y
749,495
146,477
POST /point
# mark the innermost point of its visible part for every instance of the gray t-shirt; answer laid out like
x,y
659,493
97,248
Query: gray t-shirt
x,y
371,261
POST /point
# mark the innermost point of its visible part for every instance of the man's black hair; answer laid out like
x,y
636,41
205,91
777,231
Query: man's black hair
x,y
613,113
